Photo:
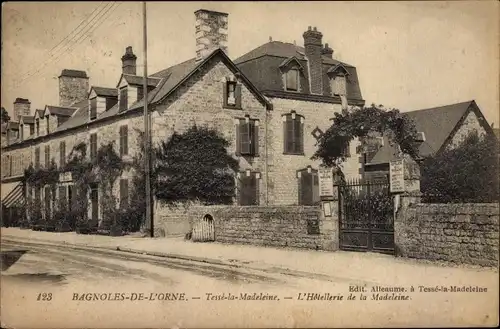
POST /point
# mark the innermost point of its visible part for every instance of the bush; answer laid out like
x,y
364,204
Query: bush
x,y
468,173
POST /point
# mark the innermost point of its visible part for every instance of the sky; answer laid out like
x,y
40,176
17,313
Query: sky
x,y
409,55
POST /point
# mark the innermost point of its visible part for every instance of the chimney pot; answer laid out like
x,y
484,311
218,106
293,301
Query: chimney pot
x,y
270,39
313,46
129,60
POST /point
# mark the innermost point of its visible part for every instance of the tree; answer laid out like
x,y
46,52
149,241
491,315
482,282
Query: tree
x,y
364,123
5,115
467,173
195,165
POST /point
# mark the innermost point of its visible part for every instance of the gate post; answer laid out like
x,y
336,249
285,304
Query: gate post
x,y
328,192
403,201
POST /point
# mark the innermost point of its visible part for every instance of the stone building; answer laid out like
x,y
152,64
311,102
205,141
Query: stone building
x,y
271,104
439,128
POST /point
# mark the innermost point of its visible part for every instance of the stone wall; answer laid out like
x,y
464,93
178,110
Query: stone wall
x,y
461,233
287,226
470,124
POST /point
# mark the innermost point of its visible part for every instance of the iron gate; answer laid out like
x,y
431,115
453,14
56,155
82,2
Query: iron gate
x,y
366,216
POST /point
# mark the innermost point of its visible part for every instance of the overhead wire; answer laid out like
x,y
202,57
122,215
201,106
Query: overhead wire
x,y
63,41
83,36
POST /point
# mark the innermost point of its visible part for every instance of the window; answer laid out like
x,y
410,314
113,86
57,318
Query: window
x,y
62,153
308,187
293,130
232,94
339,85
47,156
292,80
247,137
21,132
123,193
123,140
110,102
248,187
9,163
37,123
93,108
32,129
123,99
37,158
93,147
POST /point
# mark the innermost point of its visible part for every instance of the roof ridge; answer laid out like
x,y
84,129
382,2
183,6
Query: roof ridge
x,y
440,106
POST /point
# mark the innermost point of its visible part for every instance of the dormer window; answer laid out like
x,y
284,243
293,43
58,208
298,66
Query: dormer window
x,y
37,124
123,99
21,132
232,94
93,108
292,80
338,80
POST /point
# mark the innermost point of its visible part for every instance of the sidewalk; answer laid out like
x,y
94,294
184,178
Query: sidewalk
x,y
368,267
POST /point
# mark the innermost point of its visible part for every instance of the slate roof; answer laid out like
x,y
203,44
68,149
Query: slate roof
x,y
138,80
61,111
79,118
436,123
102,91
28,119
13,125
262,67
281,49
73,73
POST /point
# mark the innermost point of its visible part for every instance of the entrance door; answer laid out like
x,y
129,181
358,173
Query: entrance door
x,y
366,217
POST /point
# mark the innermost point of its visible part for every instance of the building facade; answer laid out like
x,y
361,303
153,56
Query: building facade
x,y
272,104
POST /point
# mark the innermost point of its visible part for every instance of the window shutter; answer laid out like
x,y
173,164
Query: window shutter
x,y
308,185
285,136
255,143
237,95
93,108
140,93
224,94
121,140
299,189
244,137
238,139
290,147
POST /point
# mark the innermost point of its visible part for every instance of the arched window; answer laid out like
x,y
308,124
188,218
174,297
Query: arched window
x,y
293,130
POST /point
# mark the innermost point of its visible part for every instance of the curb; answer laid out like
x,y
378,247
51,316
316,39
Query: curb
x,y
124,249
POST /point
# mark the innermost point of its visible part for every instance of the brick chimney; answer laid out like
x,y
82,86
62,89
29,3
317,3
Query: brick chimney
x,y
129,65
211,32
313,48
21,107
327,51
73,87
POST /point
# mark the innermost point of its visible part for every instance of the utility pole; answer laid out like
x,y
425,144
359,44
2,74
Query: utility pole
x,y
147,131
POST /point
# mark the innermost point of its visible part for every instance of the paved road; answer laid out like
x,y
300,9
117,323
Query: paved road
x,y
62,286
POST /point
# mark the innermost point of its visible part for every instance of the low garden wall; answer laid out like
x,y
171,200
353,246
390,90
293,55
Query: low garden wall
x,y
461,233
278,226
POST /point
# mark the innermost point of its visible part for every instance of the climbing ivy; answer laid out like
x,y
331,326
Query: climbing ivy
x,y
195,166
363,123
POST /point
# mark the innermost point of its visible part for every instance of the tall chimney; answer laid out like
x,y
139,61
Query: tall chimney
x,y
73,87
327,51
129,65
211,32
313,47
21,107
